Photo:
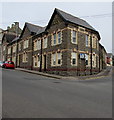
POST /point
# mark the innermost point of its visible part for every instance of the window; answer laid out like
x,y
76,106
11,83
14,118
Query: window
x,y
86,59
4,47
9,50
54,59
14,59
14,48
59,37
35,61
59,58
26,44
94,60
54,39
73,37
19,45
38,60
73,58
45,43
86,40
35,45
94,42
38,44
25,57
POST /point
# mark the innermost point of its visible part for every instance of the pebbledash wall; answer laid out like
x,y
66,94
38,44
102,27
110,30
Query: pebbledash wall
x,y
66,46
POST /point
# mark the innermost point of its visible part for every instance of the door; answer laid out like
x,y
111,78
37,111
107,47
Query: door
x,y
45,63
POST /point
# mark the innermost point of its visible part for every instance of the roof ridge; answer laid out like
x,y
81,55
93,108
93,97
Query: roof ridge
x,y
68,14
33,24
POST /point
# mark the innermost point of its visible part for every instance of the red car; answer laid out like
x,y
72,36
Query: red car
x,y
8,64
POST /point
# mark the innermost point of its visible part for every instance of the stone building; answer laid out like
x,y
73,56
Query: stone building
x,y
1,35
109,59
6,40
14,28
66,46
103,58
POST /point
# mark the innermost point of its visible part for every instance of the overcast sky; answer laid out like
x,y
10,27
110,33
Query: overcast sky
x,y
97,14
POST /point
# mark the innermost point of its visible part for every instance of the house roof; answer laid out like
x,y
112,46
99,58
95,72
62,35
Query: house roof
x,y
109,54
33,28
9,37
102,47
72,19
15,39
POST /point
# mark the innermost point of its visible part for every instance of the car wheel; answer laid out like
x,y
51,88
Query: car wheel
x,y
5,66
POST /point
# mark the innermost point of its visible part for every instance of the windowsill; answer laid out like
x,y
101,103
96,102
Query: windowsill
x,y
56,44
74,65
25,62
74,43
55,65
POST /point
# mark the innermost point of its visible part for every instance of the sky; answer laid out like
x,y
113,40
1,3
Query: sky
x,y
97,14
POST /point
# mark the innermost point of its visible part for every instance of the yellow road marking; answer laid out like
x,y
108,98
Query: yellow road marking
x,y
95,77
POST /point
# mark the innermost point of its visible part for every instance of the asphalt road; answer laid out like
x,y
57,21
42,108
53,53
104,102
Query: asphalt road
x,y
27,95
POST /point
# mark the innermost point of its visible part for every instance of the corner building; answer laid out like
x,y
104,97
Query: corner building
x,y
66,46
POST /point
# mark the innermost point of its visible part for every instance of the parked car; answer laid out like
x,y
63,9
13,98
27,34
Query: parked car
x,y
8,64
1,63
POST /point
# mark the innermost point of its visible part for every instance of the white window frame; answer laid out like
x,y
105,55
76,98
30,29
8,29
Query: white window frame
x,y
25,57
9,50
87,40
59,57
87,59
54,59
94,60
56,39
38,44
73,36
73,56
59,37
4,47
14,48
45,42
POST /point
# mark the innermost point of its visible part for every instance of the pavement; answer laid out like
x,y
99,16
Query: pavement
x,y
103,73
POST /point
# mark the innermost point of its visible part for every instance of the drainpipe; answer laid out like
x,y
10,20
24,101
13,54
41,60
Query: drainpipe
x,y
91,54
41,55
99,59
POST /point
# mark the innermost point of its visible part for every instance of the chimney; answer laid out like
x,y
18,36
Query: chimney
x,y
12,25
17,28
17,24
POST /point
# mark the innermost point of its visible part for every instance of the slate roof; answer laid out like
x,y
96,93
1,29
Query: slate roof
x,y
70,18
109,55
35,28
9,37
15,39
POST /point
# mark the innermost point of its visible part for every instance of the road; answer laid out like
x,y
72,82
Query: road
x,y
27,95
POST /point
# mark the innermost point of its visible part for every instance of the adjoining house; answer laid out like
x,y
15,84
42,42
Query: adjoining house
x,y
1,35
103,57
109,59
66,46
7,38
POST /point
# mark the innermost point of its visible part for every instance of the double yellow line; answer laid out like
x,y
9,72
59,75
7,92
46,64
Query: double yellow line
x,y
98,77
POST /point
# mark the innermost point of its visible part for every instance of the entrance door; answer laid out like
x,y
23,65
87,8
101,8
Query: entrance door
x,y
45,63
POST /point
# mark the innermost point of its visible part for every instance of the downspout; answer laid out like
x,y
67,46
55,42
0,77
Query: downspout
x,y
91,54
40,70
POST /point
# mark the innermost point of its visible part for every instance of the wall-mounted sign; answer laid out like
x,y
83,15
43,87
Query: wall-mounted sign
x,y
82,56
